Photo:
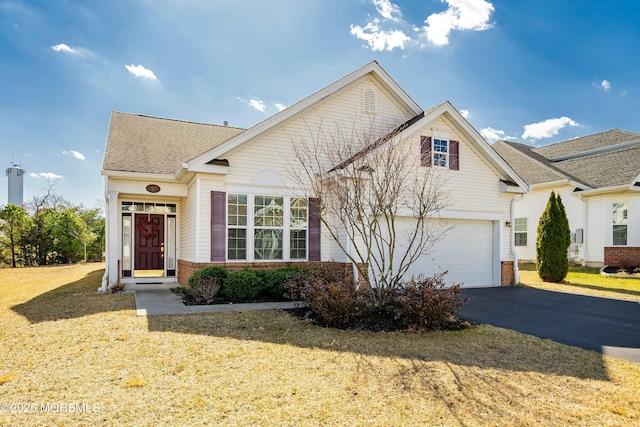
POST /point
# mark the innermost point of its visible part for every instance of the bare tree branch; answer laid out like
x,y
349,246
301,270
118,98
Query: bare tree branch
x,y
368,180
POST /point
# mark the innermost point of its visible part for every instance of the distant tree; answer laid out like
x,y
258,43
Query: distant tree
x,y
15,226
554,238
91,234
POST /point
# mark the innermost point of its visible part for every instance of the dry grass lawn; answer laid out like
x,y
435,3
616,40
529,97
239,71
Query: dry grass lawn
x,y
64,344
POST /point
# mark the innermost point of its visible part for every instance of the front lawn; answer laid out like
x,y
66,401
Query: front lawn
x,y
64,344
585,281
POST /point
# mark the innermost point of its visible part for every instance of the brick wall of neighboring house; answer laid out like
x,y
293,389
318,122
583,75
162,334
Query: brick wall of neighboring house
x,y
622,256
507,276
187,268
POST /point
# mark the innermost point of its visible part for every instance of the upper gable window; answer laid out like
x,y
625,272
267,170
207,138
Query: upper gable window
x,y
439,152
369,101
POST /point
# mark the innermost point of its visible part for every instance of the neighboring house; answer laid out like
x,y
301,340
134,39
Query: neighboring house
x,y
597,177
182,195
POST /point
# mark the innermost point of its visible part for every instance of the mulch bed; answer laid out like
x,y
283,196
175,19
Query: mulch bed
x,y
187,299
622,271
376,321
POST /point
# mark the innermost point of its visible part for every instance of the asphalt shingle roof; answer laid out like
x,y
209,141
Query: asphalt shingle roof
x,y
603,168
585,143
138,143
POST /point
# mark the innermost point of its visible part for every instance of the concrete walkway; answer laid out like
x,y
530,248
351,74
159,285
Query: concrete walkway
x,y
156,300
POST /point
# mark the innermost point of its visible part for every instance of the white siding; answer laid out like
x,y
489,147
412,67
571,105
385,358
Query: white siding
x,y
531,207
473,191
600,223
187,225
273,152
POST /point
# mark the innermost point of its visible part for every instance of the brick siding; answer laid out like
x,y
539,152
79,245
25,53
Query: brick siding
x,y
507,276
622,256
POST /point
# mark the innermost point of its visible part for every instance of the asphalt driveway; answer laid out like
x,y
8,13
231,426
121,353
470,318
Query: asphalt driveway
x,y
608,326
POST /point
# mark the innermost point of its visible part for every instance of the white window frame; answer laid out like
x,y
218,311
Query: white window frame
x,y
440,153
620,222
520,232
251,228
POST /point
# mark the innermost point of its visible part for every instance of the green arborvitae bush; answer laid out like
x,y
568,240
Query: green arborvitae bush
x,y
242,284
554,238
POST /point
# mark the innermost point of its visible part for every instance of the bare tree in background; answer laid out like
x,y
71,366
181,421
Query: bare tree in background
x,y
367,181
48,199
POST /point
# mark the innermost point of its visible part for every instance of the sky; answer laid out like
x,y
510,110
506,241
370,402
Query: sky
x,y
533,71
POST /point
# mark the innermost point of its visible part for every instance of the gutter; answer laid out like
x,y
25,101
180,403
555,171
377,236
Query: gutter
x,y
512,239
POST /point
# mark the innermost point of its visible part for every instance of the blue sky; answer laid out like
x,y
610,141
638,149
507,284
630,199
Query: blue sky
x,y
535,71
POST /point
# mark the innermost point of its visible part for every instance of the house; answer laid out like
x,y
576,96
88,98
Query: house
x,y
597,177
183,195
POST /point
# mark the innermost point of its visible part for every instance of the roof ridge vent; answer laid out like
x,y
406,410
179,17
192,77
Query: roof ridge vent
x,y
597,150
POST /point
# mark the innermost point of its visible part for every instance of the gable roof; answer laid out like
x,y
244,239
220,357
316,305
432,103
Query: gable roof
x,y
601,160
372,68
481,146
145,144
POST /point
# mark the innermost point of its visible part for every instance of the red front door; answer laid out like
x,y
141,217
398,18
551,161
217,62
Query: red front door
x,y
149,242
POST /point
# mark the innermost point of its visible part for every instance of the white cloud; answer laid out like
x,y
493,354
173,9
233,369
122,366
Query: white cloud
x,y
75,154
64,48
140,71
387,10
378,39
257,104
387,30
605,85
547,128
46,175
461,15
492,135
279,106
465,113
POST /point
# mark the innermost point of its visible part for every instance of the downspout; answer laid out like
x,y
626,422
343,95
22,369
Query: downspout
x,y
354,267
512,239
105,276
584,231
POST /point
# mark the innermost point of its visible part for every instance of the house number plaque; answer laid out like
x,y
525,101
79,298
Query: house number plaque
x,y
153,188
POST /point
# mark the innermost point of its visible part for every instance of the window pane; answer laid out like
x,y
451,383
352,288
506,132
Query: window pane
x,y
171,243
298,244
268,211
268,244
440,145
126,242
520,239
440,160
299,212
620,235
237,210
619,213
520,224
237,244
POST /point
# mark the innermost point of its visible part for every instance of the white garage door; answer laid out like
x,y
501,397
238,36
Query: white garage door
x,y
466,252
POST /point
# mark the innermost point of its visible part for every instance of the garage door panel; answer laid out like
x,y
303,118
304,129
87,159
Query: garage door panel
x,y
466,252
